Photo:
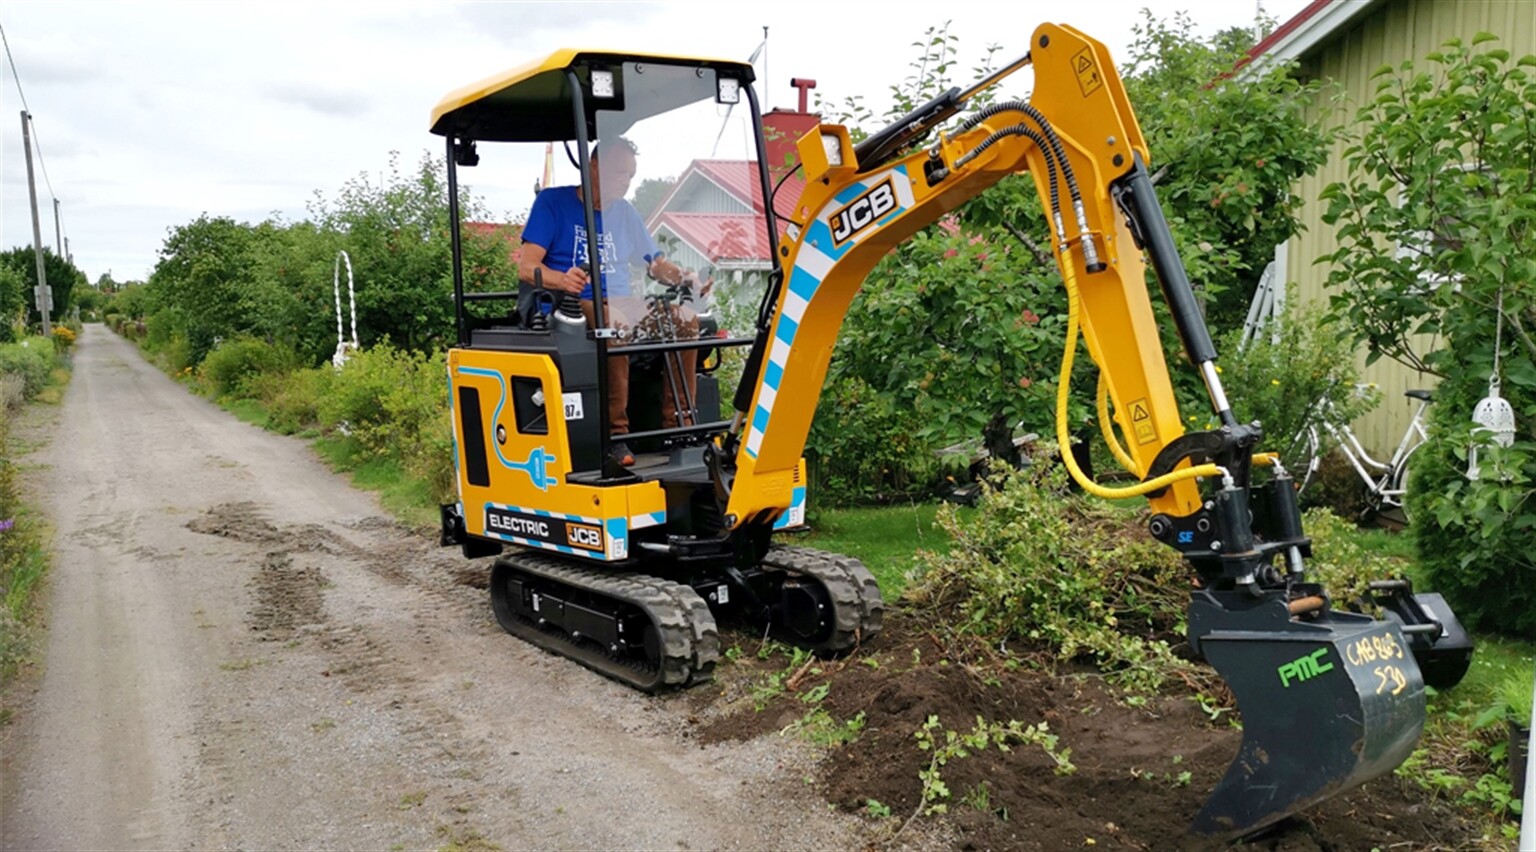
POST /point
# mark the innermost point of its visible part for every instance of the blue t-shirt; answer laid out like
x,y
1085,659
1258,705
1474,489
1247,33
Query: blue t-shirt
x,y
558,224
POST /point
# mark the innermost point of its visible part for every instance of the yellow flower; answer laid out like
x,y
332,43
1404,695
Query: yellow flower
x,y
1275,382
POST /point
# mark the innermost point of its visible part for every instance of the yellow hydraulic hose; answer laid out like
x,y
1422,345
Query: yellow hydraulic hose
x,y
1063,438
1124,458
1108,427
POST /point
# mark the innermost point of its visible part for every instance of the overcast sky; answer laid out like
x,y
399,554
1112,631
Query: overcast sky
x,y
151,113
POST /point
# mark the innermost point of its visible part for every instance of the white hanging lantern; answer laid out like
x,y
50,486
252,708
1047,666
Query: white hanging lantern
x,y
1495,421
1493,415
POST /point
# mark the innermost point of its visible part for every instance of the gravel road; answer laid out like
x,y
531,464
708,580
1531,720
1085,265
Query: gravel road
x,y
244,651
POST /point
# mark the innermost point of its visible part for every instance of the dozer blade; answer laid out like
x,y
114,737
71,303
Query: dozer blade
x,y
1327,704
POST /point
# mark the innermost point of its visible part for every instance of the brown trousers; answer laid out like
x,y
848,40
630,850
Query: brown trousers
x,y
640,321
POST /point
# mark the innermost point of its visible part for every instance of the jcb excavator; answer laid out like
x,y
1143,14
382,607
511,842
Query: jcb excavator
x,y
625,568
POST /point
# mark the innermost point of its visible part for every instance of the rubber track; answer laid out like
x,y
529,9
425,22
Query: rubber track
x,y
857,605
689,640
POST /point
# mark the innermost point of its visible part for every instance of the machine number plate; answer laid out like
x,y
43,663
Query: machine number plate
x,y
573,410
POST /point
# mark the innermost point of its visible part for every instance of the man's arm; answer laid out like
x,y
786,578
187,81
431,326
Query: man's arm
x,y
532,258
644,247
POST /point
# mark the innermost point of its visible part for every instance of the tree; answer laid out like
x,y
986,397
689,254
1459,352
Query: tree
x,y
13,290
1227,149
1226,152
200,288
218,278
62,278
396,233
1436,225
650,193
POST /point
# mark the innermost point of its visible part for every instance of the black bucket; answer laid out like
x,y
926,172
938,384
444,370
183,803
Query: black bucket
x,y
1327,702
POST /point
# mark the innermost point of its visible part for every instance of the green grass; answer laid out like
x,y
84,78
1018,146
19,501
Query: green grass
x,y
248,410
1494,662
24,559
409,499
886,538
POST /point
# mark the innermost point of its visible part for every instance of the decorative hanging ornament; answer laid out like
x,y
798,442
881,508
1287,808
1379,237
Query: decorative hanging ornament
x,y
1493,416
344,348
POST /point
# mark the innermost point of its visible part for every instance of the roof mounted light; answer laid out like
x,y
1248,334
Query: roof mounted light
x,y
602,83
727,90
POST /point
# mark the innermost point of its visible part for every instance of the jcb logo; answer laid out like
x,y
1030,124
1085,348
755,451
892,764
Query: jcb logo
x,y
584,536
1304,668
862,212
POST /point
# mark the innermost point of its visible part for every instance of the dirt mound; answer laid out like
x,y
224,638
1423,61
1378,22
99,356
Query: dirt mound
x,y
1142,773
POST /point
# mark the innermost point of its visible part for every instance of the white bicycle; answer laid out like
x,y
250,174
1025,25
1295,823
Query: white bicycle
x,y
1385,481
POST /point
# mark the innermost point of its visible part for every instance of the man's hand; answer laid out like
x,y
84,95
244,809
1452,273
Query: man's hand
x,y
573,280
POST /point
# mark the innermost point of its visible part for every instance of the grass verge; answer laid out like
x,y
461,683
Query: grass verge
x,y
23,533
406,497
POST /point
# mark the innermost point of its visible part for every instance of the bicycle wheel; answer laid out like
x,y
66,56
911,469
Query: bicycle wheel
x,y
1400,481
1304,445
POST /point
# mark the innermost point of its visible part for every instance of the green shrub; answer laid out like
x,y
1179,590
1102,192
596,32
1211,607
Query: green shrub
x,y
863,447
1283,375
395,404
31,359
293,399
13,392
1039,566
1336,486
230,368
1475,537
1339,560
1516,693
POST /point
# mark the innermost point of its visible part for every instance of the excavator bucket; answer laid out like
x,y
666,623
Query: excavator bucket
x,y
1327,703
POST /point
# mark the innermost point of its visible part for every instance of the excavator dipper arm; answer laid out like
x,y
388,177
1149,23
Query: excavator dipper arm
x,y
1329,699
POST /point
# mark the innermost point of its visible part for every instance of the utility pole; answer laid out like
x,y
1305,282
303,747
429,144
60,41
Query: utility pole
x,y
43,295
58,232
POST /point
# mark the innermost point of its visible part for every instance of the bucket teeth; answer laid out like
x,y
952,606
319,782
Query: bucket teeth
x,y
1327,705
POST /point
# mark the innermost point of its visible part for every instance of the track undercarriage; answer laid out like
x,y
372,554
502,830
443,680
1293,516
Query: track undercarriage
x,y
653,634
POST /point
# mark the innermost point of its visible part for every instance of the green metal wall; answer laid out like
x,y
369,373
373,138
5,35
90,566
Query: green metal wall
x,y
1394,31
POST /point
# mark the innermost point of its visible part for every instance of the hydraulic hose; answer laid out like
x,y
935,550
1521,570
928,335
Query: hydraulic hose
x,y
1108,428
1063,437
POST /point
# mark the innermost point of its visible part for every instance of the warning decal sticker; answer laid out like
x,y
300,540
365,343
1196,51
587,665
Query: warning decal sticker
x,y
1087,71
1141,422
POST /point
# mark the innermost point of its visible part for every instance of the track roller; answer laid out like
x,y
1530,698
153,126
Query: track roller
x,y
643,631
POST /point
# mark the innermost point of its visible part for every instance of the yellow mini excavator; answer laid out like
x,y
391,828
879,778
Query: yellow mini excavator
x,y
626,567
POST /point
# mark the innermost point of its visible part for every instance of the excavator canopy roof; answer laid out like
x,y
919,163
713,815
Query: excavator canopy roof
x,y
532,102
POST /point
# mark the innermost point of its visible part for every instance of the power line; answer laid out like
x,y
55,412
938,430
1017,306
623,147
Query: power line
x,y
36,141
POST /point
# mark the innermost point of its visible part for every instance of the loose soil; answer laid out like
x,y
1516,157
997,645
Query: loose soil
x,y
1126,793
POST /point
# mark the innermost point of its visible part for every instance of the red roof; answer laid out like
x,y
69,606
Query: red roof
x,y
740,178
720,236
1285,29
